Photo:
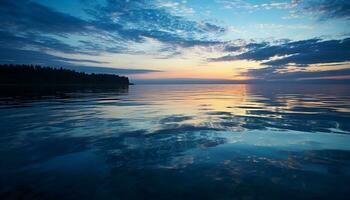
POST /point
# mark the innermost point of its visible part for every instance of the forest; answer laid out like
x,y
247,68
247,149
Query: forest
x,y
39,75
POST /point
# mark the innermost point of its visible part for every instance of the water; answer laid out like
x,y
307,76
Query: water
x,y
178,142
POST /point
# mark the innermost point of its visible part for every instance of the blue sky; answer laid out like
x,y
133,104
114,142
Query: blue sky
x,y
189,39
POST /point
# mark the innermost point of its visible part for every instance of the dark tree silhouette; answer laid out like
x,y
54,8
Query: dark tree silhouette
x,y
38,75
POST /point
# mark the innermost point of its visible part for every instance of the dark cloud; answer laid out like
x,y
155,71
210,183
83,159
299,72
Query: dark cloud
x,y
277,57
312,52
27,26
15,56
232,48
253,45
301,53
34,41
116,20
28,16
270,73
28,30
135,20
110,70
328,9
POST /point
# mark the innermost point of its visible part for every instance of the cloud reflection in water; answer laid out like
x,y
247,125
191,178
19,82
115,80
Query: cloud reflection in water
x,y
179,141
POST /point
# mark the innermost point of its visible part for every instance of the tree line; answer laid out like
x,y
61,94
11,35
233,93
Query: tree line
x,y
35,74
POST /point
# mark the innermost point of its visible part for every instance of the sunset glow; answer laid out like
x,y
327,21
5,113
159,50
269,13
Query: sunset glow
x,y
181,39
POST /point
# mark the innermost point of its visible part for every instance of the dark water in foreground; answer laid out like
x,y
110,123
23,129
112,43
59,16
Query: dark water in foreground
x,y
178,142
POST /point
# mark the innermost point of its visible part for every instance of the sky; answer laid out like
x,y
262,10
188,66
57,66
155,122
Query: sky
x,y
181,40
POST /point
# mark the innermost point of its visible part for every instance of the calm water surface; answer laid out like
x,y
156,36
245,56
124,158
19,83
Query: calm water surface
x,y
178,142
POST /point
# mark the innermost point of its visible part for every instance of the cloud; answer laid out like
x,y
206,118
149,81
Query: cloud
x,y
270,73
35,41
243,45
328,9
110,70
135,20
323,9
28,25
300,53
35,57
111,27
176,8
277,56
16,56
238,4
292,15
28,16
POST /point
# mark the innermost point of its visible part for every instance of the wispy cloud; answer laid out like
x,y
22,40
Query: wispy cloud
x,y
270,73
116,22
328,9
15,56
304,52
239,4
322,9
111,27
138,19
178,8
278,56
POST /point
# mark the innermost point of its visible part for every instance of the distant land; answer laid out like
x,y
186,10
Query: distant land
x,y
30,75
251,81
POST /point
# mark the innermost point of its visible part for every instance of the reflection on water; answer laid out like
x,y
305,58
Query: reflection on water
x,y
177,142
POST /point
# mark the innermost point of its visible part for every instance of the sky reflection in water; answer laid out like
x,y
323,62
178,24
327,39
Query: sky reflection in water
x,y
178,142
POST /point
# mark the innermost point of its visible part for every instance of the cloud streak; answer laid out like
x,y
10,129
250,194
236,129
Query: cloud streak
x,y
271,74
238,4
15,56
300,53
111,28
137,20
328,9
